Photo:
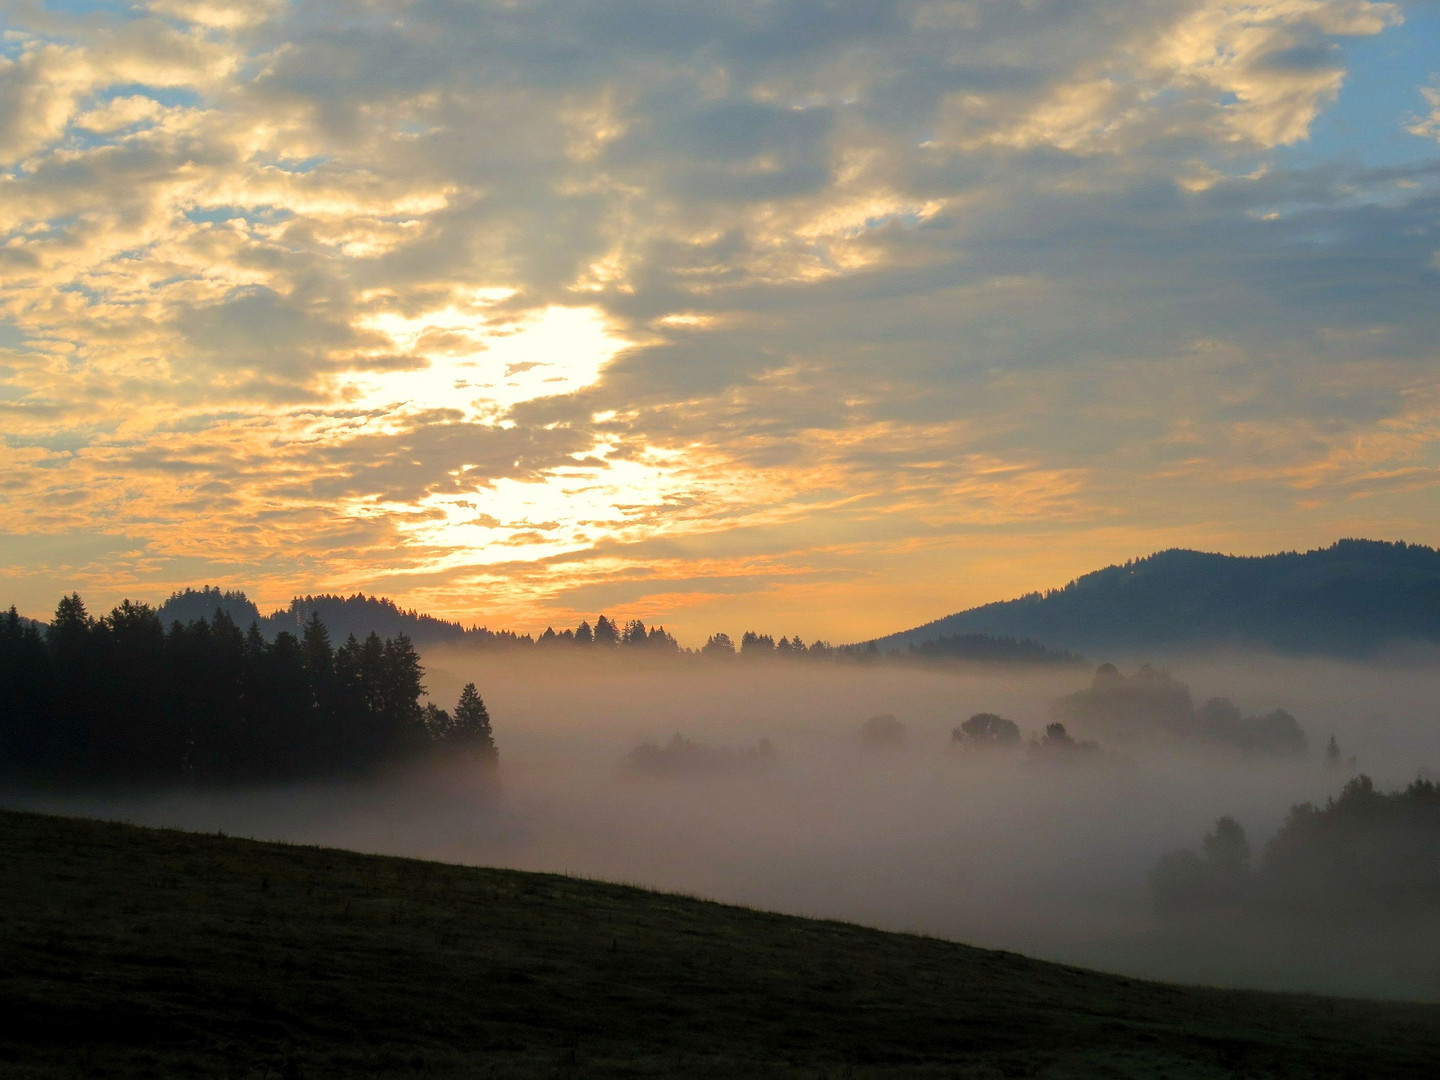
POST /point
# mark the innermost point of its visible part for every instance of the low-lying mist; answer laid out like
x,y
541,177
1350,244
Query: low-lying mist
x,y
774,798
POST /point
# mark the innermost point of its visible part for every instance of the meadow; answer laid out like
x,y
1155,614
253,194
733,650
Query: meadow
x,y
133,952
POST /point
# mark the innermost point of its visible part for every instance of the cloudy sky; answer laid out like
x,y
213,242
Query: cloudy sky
x,y
813,317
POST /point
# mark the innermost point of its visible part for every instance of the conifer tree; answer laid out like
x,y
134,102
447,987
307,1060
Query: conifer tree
x,y
605,632
470,727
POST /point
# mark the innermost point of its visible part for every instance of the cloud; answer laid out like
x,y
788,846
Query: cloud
x,y
1429,127
427,289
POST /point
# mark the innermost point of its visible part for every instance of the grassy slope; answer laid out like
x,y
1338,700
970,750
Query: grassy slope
x,y
165,954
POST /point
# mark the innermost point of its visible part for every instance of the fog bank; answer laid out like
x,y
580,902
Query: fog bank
x,y
995,847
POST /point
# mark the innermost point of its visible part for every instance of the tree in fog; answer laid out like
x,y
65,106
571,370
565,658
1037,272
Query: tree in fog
x,y
1364,851
606,633
470,729
1057,744
1332,754
882,730
986,729
1153,702
718,645
1226,848
753,645
1057,738
1186,880
661,640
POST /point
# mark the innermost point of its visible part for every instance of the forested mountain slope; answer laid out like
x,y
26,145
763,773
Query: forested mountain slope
x,y
1352,598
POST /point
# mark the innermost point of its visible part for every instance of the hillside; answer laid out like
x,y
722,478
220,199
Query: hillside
x,y
1349,599
134,952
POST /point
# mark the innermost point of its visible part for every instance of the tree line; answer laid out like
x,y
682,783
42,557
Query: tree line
x,y
632,638
1365,853
124,700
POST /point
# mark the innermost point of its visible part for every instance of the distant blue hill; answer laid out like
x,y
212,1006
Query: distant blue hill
x,y
1350,599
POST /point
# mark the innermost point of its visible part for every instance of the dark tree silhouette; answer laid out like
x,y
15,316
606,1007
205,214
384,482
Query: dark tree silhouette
x,y
987,729
1185,881
27,695
470,729
1364,856
123,702
1332,753
1058,745
719,645
754,645
1226,848
606,634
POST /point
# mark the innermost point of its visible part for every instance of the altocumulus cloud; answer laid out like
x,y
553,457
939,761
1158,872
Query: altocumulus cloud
x,y
510,306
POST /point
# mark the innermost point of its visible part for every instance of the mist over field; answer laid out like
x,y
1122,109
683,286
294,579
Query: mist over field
x,y
998,847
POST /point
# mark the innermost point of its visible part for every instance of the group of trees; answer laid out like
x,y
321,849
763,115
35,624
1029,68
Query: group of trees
x,y
1364,852
1152,701
685,757
361,615
606,634
755,646
124,700
990,730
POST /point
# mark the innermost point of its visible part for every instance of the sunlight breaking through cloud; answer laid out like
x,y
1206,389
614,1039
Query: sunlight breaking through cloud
x,y
308,295
484,365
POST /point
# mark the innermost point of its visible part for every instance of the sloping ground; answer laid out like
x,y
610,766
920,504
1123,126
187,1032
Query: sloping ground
x,y
133,952
1349,599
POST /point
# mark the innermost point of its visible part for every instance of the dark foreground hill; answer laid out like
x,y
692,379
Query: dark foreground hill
x,y
1351,599
131,952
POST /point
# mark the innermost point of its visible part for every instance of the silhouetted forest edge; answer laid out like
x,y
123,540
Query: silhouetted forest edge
x,y
1364,856
148,952
630,640
125,701
1354,598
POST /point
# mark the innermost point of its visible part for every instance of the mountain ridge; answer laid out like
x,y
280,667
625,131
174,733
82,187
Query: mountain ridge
x,y
1353,598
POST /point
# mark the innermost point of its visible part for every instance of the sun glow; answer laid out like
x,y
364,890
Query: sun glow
x,y
601,497
483,362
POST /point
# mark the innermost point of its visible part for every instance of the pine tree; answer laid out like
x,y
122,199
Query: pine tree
x,y
605,632
470,727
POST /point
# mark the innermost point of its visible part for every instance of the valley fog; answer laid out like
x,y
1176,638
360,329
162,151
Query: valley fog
x,y
998,847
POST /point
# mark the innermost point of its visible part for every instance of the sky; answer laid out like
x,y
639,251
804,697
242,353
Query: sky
x,y
826,318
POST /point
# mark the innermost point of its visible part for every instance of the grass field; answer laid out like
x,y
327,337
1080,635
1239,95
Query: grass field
x,y
128,952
